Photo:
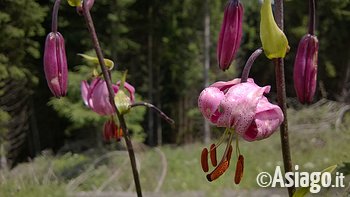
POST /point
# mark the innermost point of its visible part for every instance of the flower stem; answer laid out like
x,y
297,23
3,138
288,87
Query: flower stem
x,y
312,17
55,16
281,98
249,63
149,105
107,77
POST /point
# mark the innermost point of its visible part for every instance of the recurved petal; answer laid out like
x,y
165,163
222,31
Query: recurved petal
x,y
129,88
239,106
209,101
85,92
225,85
267,119
100,99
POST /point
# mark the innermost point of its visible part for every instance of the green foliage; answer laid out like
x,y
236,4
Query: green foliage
x,y
93,169
20,23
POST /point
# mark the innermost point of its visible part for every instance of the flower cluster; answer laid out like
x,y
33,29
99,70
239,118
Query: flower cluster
x,y
95,95
239,105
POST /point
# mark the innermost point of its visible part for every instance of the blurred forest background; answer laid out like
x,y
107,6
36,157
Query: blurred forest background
x,y
162,45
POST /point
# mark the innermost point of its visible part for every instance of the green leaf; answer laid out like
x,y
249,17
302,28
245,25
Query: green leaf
x,y
74,3
301,192
109,63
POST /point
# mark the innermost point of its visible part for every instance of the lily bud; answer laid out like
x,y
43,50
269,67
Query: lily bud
x,y
230,34
274,42
305,68
55,64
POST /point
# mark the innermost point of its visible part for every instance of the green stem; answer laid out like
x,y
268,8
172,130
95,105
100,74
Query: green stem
x,y
281,98
107,77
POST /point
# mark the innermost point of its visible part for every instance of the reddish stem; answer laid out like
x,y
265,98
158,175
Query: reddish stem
x,y
281,98
107,77
55,16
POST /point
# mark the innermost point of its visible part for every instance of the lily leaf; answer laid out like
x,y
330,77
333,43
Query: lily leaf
x,y
74,3
109,63
301,192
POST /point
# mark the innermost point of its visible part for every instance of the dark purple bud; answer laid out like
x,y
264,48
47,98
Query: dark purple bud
x,y
230,34
88,3
305,68
55,64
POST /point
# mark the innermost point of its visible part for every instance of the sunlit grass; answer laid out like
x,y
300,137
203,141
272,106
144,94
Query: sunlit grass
x,y
109,171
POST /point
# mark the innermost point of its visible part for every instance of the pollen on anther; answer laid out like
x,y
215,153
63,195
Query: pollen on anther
x,y
204,160
239,169
218,171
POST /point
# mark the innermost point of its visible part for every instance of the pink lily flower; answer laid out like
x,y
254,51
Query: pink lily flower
x,y
96,97
241,106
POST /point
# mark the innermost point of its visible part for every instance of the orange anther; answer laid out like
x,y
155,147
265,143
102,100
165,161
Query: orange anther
x,y
218,171
239,169
204,160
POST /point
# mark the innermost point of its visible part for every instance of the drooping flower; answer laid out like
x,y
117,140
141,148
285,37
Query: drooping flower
x,y
305,68
274,41
230,35
55,64
241,106
96,95
243,109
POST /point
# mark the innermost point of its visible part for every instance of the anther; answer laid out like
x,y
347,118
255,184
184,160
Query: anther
x,y
204,160
239,169
218,171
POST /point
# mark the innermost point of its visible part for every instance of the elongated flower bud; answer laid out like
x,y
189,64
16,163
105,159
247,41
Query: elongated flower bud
x,y
274,42
55,64
230,34
305,68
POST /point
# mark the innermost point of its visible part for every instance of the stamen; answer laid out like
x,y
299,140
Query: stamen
x,y
224,157
204,160
218,171
222,138
213,155
239,169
